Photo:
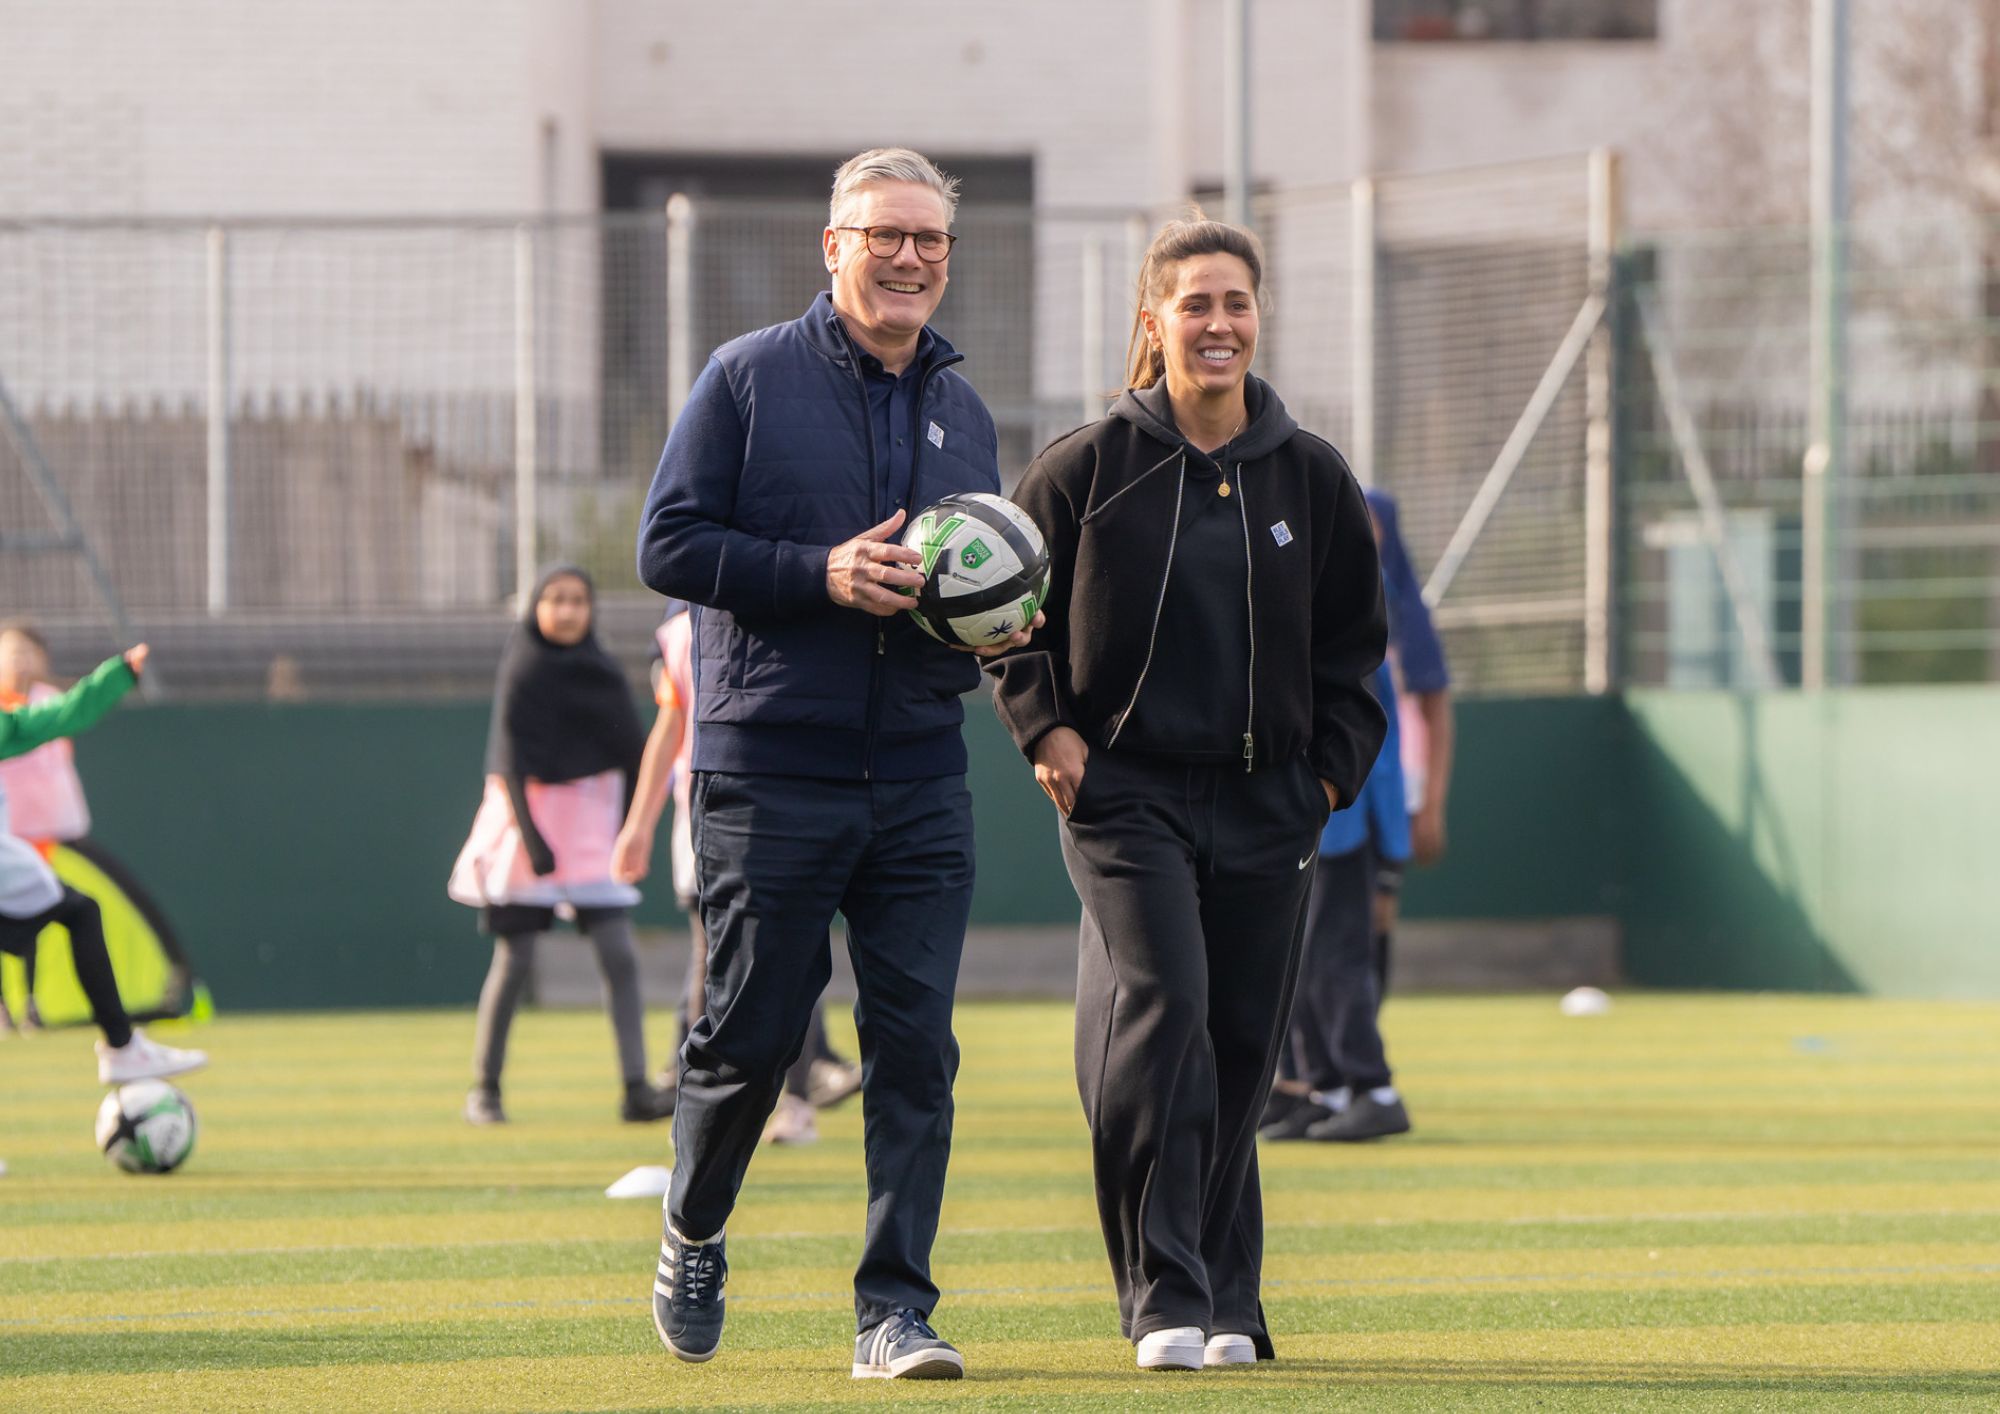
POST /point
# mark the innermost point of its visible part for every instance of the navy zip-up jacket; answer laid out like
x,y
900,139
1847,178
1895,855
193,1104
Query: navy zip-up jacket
x,y
771,465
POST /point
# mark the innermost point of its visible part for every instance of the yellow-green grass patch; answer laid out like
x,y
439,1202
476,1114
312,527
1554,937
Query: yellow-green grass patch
x,y
1694,1202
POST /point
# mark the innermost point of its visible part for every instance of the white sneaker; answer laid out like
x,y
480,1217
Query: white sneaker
x,y
1177,1348
793,1122
1229,1350
143,1058
829,1082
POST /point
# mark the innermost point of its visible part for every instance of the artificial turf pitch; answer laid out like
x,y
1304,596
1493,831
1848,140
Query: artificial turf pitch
x,y
1694,1202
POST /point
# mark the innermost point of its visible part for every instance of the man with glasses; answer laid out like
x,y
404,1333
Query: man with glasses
x,y
829,770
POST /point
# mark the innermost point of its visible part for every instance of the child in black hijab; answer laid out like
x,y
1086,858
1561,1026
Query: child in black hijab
x,y
562,756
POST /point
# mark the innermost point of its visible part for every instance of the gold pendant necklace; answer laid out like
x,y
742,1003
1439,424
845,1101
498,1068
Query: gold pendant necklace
x,y
1223,489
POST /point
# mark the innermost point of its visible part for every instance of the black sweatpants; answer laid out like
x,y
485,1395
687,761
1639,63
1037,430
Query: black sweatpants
x,y
80,914
1193,880
1336,1035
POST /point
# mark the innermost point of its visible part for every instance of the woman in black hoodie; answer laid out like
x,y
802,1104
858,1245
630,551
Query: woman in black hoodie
x,y
1194,706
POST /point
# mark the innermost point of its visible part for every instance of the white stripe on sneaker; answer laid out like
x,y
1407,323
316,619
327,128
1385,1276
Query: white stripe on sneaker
x,y
872,1356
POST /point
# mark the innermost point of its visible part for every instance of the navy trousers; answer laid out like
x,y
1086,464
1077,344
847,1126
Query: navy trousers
x,y
1336,1033
777,857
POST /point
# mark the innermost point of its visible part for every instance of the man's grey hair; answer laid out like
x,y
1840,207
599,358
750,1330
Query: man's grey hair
x,y
888,164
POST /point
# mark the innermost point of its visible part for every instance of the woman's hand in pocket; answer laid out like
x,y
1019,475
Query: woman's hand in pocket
x,y
1059,764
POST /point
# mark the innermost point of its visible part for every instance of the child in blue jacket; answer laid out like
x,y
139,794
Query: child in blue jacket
x,y
1335,1081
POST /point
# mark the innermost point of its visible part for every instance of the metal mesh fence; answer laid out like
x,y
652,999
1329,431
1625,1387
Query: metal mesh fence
x,y
1716,385
1306,344
318,459
292,456
1479,277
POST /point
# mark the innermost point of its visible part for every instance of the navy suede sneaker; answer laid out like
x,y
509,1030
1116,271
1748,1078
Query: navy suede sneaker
x,y
687,1295
904,1347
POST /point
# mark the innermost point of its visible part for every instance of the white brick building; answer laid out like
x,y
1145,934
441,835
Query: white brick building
x,y
454,107
499,109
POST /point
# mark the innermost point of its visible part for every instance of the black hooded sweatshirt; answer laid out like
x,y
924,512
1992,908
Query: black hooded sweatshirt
x,y
1257,648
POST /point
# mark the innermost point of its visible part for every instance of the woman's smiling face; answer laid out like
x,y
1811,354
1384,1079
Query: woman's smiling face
x,y
1206,326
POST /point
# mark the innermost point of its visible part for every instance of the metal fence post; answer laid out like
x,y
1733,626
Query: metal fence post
x,y
525,429
218,421
1091,385
1598,518
1361,329
680,303
1820,618
1237,178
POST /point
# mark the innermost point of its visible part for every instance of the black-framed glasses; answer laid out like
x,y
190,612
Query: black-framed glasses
x,y
886,242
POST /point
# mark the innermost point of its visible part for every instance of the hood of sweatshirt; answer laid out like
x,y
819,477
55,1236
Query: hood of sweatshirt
x,y
1268,429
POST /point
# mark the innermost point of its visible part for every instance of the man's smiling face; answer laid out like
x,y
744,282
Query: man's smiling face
x,y
887,300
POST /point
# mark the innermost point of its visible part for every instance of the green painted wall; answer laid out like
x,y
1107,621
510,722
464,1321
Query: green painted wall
x,y
1779,841
1533,830
1021,877
1838,841
302,851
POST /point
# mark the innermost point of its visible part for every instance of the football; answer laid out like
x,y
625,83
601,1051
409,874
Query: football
x,y
146,1126
985,569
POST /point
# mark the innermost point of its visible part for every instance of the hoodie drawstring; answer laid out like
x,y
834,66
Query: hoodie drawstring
x,y
1095,511
1250,613
1159,605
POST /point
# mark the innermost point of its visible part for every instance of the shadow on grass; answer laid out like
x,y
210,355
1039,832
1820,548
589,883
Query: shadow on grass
x,y
1289,1382
1517,1376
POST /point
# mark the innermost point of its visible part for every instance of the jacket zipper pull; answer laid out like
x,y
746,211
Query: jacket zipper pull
x,y
1249,750
881,648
